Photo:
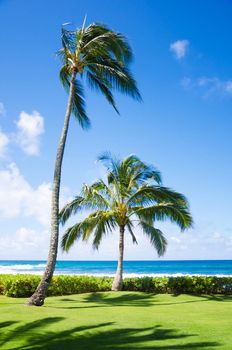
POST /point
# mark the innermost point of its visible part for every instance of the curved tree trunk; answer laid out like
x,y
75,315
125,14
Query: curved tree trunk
x,y
118,280
37,299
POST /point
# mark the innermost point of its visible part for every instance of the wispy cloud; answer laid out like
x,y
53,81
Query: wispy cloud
x,y
30,127
200,243
179,48
209,85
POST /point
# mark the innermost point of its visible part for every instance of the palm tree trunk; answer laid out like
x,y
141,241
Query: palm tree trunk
x,y
118,280
37,299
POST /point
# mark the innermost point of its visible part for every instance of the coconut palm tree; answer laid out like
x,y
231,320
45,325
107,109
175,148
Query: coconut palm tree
x,y
132,195
101,57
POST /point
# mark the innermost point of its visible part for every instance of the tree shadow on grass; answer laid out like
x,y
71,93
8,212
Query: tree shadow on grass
x,y
127,299
210,297
135,299
104,336
19,331
106,300
7,324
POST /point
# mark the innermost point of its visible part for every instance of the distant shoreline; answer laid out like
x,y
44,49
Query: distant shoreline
x,y
132,268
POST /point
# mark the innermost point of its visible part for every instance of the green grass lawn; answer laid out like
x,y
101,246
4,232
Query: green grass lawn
x,y
123,320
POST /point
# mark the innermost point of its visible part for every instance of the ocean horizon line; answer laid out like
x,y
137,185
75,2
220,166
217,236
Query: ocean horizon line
x,y
106,260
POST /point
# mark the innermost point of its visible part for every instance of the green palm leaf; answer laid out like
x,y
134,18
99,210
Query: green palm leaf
x,y
156,236
148,194
163,211
71,208
78,106
71,235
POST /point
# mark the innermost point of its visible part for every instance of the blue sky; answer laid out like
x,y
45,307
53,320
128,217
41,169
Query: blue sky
x,y
183,68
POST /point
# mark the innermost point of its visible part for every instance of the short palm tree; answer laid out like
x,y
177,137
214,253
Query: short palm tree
x,y
132,195
101,57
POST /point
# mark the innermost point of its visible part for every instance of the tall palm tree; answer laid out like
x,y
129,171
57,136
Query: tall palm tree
x,y
101,57
132,195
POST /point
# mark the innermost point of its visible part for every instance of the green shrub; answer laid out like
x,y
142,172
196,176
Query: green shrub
x,y
144,284
25,285
20,285
177,285
65,284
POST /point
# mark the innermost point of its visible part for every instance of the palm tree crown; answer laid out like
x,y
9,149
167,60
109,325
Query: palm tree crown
x,y
131,195
101,56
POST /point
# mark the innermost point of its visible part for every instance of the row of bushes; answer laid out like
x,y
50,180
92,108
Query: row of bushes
x,y
24,285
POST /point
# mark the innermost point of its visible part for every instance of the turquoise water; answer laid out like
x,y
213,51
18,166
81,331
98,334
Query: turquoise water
x,y
131,268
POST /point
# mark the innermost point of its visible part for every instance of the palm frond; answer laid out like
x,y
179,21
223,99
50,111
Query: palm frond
x,y
71,235
99,223
65,76
78,102
82,229
120,78
156,236
99,35
68,39
160,212
112,164
78,106
148,194
91,199
94,199
130,226
100,85
101,187
71,208
106,224
135,172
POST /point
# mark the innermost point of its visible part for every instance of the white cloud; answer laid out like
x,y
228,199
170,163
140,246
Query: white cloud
x,y
179,48
209,85
24,243
2,109
4,141
18,197
30,127
38,204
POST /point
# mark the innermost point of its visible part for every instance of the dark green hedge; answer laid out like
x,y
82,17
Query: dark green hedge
x,y
24,285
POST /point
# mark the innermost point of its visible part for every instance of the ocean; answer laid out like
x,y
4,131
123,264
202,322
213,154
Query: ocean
x,y
131,268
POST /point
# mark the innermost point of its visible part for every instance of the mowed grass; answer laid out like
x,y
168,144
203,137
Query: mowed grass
x,y
123,320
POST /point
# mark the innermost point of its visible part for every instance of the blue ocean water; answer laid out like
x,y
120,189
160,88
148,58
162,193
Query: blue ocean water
x,y
131,268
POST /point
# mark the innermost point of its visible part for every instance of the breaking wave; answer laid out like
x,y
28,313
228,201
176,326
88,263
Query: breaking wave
x,y
22,268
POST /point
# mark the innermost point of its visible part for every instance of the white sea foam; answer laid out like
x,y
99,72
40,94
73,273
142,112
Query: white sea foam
x,y
125,275
21,268
134,275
